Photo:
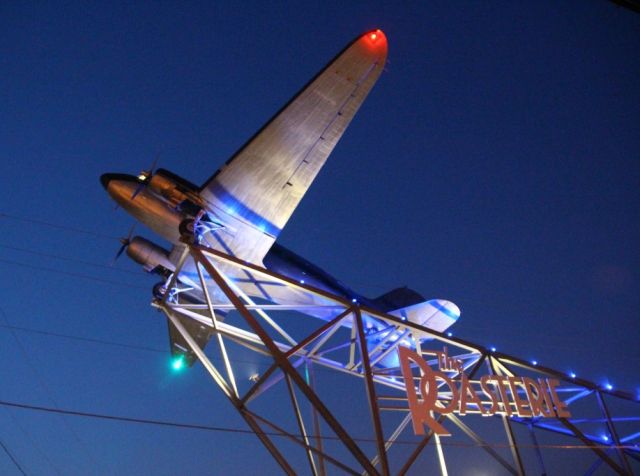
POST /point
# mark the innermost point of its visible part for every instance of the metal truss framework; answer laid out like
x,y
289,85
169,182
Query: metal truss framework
x,y
347,343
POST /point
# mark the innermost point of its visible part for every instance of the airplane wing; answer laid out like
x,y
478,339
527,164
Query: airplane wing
x,y
257,190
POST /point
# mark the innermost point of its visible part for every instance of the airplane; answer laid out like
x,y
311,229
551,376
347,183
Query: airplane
x,y
242,208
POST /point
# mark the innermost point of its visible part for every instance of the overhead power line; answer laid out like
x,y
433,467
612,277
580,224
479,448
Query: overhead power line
x,y
72,274
44,386
56,225
192,426
67,258
92,340
83,339
12,458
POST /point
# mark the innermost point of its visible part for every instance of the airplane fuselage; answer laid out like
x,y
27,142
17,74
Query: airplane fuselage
x,y
241,209
164,217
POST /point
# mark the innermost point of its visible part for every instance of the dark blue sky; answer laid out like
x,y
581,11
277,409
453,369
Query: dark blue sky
x,y
495,164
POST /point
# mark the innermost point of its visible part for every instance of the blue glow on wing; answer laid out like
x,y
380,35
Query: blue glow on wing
x,y
234,206
492,349
608,386
444,310
572,375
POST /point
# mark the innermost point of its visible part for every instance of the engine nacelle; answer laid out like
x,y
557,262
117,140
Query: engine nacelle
x,y
148,254
168,188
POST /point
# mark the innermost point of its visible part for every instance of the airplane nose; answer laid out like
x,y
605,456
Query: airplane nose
x,y
105,179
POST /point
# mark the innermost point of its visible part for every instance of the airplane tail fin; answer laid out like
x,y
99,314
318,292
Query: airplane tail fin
x,y
397,299
436,314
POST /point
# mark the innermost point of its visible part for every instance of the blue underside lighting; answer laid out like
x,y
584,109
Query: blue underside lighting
x,y
493,349
234,206
572,375
608,386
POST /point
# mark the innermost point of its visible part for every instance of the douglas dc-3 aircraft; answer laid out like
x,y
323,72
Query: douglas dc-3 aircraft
x,y
246,203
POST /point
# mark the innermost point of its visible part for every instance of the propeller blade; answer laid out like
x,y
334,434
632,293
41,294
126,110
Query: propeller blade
x,y
130,234
154,163
126,241
144,176
120,251
137,190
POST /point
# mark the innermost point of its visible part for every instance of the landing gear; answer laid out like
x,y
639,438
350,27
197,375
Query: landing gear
x,y
159,290
195,230
186,227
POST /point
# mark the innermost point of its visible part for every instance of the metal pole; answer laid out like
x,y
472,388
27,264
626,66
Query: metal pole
x,y
371,395
587,441
234,400
284,363
515,452
316,420
534,440
481,443
614,433
303,431
441,460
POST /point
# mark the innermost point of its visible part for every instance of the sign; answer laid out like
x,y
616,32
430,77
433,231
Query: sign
x,y
491,394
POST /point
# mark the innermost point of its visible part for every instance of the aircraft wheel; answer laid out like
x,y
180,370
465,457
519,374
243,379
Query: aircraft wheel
x,y
159,290
186,227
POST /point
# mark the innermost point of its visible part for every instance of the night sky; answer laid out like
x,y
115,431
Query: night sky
x,y
495,164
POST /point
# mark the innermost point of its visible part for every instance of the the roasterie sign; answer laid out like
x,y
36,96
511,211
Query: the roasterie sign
x,y
491,394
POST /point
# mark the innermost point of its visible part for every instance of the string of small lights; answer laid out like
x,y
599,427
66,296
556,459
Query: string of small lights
x,y
571,374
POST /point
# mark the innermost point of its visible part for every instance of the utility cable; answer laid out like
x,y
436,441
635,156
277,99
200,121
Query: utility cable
x,y
58,226
72,274
108,237
66,258
42,383
83,339
192,426
12,458
112,343
32,441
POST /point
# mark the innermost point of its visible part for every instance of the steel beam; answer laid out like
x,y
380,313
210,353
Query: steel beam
x,y
256,338
285,365
371,394
614,433
268,444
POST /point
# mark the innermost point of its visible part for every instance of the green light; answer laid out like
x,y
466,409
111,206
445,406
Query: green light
x,y
177,363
